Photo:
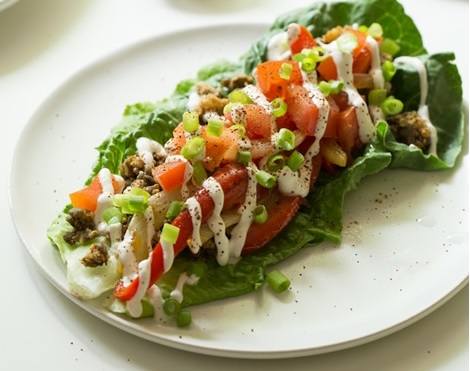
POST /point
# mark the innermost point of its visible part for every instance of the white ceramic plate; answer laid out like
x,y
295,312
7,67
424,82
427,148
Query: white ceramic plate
x,y
4,4
405,248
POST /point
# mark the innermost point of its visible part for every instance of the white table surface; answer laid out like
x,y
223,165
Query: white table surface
x,y
42,42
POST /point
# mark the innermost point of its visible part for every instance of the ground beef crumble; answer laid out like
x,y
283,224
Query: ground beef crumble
x,y
411,129
83,225
96,256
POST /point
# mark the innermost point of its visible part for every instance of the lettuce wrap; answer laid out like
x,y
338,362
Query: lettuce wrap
x,y
320,217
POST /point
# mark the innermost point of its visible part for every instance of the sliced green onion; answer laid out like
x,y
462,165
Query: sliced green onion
x,y
229,106
131,203
171,307
176,207
215,127
183,318
375,30
193,148
299,57
286,139
243,157
277,281
347,42
265,179
308,64
318,54
190,121
325,88
285,71
375,97
391,106
389,46
199,172
139,192
170,233
279,107
363,28
295,160
336,86
239,96
137,203
275,162
112,215
388,70
260,214
240,129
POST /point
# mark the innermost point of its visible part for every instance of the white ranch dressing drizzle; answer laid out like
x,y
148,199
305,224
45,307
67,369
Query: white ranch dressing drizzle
x,y
278,47
155,298
194,209
134,305
183,279
215,222
344,63
168,254
188,172
423,109
146,148
238,234
376,66
105,201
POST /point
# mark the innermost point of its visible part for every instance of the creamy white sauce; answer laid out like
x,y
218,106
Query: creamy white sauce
x,y
196,216
134,305
376,66
105,198
183,279
293,32
146,148
154,295
238,234
215,222
193,101
423,110
278,47
168,254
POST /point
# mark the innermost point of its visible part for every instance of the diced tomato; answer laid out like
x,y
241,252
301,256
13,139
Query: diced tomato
x,y
301,109
258,121
269,81
333,116
285,122
87,197
362,56
341,99
179,139
362,62
170,175
305,40
348,130
327,69
218,149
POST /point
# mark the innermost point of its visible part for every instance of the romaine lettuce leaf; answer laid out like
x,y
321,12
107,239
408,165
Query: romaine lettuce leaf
x,y
320,218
